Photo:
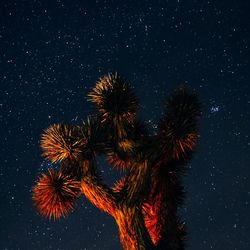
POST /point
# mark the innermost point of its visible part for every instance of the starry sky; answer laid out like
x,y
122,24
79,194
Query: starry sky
x,y
52,53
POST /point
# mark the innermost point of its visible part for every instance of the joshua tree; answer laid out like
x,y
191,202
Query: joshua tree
x,y
144,202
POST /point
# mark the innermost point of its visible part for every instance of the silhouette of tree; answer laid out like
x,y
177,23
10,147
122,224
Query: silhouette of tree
x,y
144,202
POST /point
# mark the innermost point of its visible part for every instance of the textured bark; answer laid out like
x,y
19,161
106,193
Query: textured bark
x,y
133,233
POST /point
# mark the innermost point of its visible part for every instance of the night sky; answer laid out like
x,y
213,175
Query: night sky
x,y
52,53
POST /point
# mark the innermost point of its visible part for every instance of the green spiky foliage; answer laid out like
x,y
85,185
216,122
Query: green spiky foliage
x,y
145,201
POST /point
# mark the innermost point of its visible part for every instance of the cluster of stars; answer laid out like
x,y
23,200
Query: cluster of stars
x,y
51,57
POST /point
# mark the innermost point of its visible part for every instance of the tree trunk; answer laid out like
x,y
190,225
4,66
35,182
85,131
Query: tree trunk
x,y
133,233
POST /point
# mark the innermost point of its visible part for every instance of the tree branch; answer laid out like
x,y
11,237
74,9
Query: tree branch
x,y
98,193
137,183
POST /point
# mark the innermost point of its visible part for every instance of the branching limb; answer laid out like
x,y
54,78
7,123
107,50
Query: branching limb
x,y
137,183
98,193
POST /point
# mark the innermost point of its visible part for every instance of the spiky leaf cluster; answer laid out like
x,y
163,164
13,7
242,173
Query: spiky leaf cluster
x,y
124,150
55,193
178,133
118,160
114,98
95,136
61,142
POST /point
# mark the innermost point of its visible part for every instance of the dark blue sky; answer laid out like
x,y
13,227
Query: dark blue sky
x,y
52,53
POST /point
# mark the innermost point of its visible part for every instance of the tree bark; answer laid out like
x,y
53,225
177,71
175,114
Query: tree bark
x,y
133,233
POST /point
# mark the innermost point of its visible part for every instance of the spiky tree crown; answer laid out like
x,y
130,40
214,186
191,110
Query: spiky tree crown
x,y
55,194
178,128
60,142
114,98
144,202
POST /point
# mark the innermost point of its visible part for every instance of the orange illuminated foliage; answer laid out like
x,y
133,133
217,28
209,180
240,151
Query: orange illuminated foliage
x,y
181,146
114,98
119,185
60,142
153,221
54,194
117,162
